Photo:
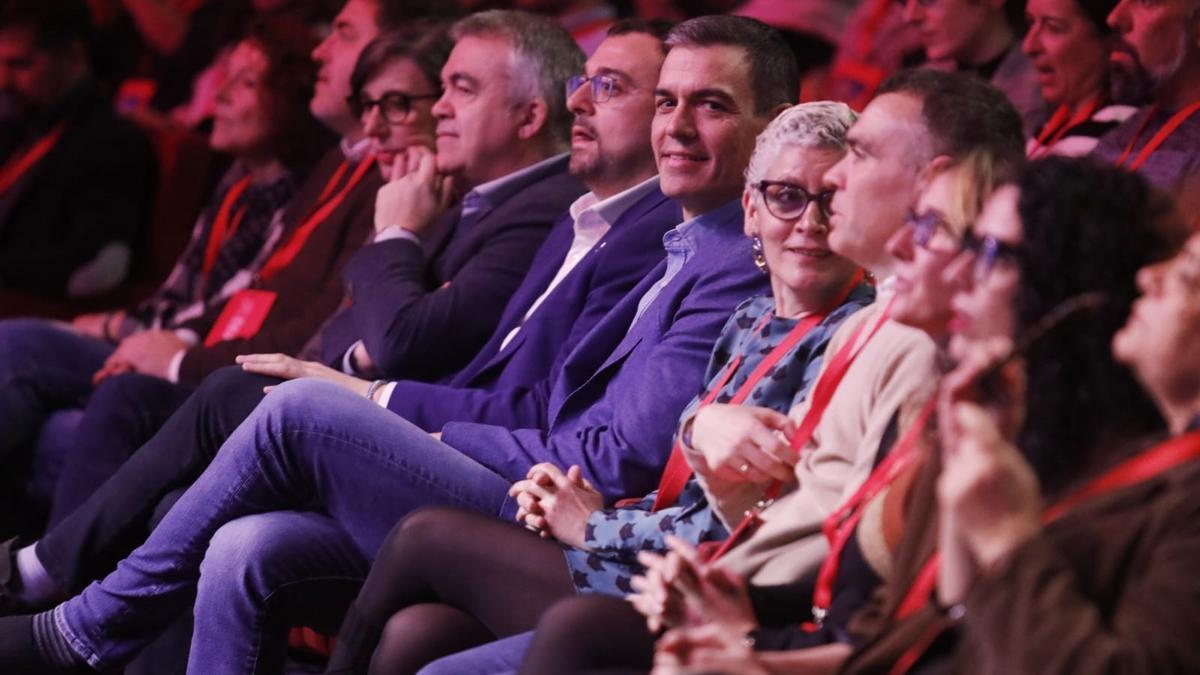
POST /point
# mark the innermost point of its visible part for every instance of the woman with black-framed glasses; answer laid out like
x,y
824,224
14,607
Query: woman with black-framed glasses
x,y
393,95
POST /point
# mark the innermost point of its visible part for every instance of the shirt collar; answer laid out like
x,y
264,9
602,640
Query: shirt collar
x,y
717,216
611,209
683,236
497,191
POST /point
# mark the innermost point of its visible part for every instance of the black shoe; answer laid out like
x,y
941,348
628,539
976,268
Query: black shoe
x,y
10,581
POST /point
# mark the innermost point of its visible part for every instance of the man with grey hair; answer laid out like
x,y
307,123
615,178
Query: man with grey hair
x,y
1157,53
501,136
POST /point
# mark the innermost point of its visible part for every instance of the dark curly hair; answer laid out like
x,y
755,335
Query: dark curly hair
x,y
1086,228
297,138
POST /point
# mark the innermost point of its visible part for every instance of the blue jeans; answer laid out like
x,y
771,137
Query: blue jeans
x,y
309,445
43,367
263,574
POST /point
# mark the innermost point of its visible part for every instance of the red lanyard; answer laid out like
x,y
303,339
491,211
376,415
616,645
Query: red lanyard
x,y
224,225
677,472
16,166
326,205
841,524
1141,467
1061,123
1158,139
823,392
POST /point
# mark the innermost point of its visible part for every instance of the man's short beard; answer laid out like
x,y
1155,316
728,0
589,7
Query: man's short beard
x,y
585,166
1131,86
1139,85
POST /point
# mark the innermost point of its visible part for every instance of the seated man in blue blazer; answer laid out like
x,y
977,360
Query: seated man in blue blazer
x,y
585,266
313,445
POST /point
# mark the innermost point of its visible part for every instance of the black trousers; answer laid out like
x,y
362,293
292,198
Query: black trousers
x,y
122,413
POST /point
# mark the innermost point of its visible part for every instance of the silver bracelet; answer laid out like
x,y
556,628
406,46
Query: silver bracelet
x,y
374,388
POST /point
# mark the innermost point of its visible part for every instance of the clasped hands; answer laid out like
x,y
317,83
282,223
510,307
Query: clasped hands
x,y
556,504
416,195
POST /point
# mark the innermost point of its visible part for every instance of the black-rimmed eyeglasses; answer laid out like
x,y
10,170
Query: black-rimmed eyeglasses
x,y
394,105
788,201
602,86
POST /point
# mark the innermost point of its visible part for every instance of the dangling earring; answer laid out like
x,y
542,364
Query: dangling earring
x,y
760,259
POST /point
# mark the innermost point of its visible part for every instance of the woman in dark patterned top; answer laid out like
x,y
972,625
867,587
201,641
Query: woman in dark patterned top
x,y
491,579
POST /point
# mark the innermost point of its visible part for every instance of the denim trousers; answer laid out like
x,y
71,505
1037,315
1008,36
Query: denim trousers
x,y
44,366
310,446
263,574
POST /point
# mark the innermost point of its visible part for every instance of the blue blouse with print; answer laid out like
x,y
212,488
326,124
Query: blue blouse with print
x,y
615,536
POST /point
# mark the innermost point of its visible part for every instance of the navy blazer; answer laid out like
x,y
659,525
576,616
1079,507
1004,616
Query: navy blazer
x,y
424,310
617,397
510,387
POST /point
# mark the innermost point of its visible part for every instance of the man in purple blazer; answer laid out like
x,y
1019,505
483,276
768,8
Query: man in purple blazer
x,y
313,445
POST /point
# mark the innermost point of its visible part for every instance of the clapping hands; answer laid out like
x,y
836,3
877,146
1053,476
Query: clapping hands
x,y
678,589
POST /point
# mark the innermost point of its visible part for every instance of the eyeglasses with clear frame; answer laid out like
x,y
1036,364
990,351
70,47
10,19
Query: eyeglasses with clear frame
x,y
394,106
988,251
602,86
926,225
788,201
